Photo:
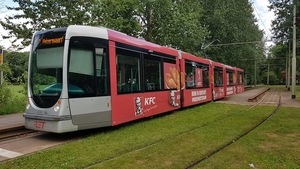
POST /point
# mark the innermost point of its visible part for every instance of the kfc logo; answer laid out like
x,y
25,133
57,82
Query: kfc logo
x,y
138,105
150,100
173,98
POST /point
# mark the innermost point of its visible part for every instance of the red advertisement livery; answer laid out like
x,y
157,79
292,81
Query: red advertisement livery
x,y
83,77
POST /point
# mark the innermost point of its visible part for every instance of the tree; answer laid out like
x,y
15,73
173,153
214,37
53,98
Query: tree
x,y
17,63
282,28
282,25
173,23
234,25
273,79
166,22
40,15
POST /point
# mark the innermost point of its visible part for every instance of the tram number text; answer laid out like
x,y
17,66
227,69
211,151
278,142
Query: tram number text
x,y
39,124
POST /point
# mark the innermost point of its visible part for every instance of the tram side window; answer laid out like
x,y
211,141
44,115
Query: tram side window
x,y
197,75
230,80
81,72
240,78
189,79
218,77
101,71
87,69
152,75
128,71
205,76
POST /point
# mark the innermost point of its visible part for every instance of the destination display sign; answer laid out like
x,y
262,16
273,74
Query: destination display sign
x,y
51,41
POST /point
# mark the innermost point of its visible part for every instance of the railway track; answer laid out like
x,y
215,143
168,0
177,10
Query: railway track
x,y
15,133
269,98
263,99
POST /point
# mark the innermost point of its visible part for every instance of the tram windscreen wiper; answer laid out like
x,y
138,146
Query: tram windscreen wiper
x,y
40,99
37,95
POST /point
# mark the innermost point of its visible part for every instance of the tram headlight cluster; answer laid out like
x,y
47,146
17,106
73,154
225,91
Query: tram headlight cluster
x,y
57,106
28,104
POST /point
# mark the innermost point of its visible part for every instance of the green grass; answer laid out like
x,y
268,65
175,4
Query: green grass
x,y
181,138
182,150
274,145
17,90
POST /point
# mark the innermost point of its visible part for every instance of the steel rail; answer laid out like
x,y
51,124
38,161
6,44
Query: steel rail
x,y
15,132
239,137
182,133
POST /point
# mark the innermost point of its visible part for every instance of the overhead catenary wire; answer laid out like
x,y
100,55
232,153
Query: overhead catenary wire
x,y
237,43
265,58
249,42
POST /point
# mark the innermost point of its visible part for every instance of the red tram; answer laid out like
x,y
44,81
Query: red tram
x,y
83,77
230,80
217,80
240,81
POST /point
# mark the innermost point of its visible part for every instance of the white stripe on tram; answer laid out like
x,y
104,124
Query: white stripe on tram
x,y
9,154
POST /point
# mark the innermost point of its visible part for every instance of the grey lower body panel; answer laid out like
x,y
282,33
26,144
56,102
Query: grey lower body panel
x,y
92,120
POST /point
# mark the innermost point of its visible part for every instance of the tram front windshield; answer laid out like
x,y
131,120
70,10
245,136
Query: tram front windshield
x,y
45,78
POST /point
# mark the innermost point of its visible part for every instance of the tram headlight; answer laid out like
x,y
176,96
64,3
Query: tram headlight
x,y
28,104
57,106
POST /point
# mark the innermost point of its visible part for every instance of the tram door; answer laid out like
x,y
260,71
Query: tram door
x,y
91,112
88,84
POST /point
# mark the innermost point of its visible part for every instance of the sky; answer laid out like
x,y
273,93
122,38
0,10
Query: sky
x,y
264,17
261,11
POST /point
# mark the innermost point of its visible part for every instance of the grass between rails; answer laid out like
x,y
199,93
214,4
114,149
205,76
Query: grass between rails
x,y
183,150
273,145
174,141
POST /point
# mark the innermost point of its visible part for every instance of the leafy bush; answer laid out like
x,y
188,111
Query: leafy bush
x,y
5,94
10,101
